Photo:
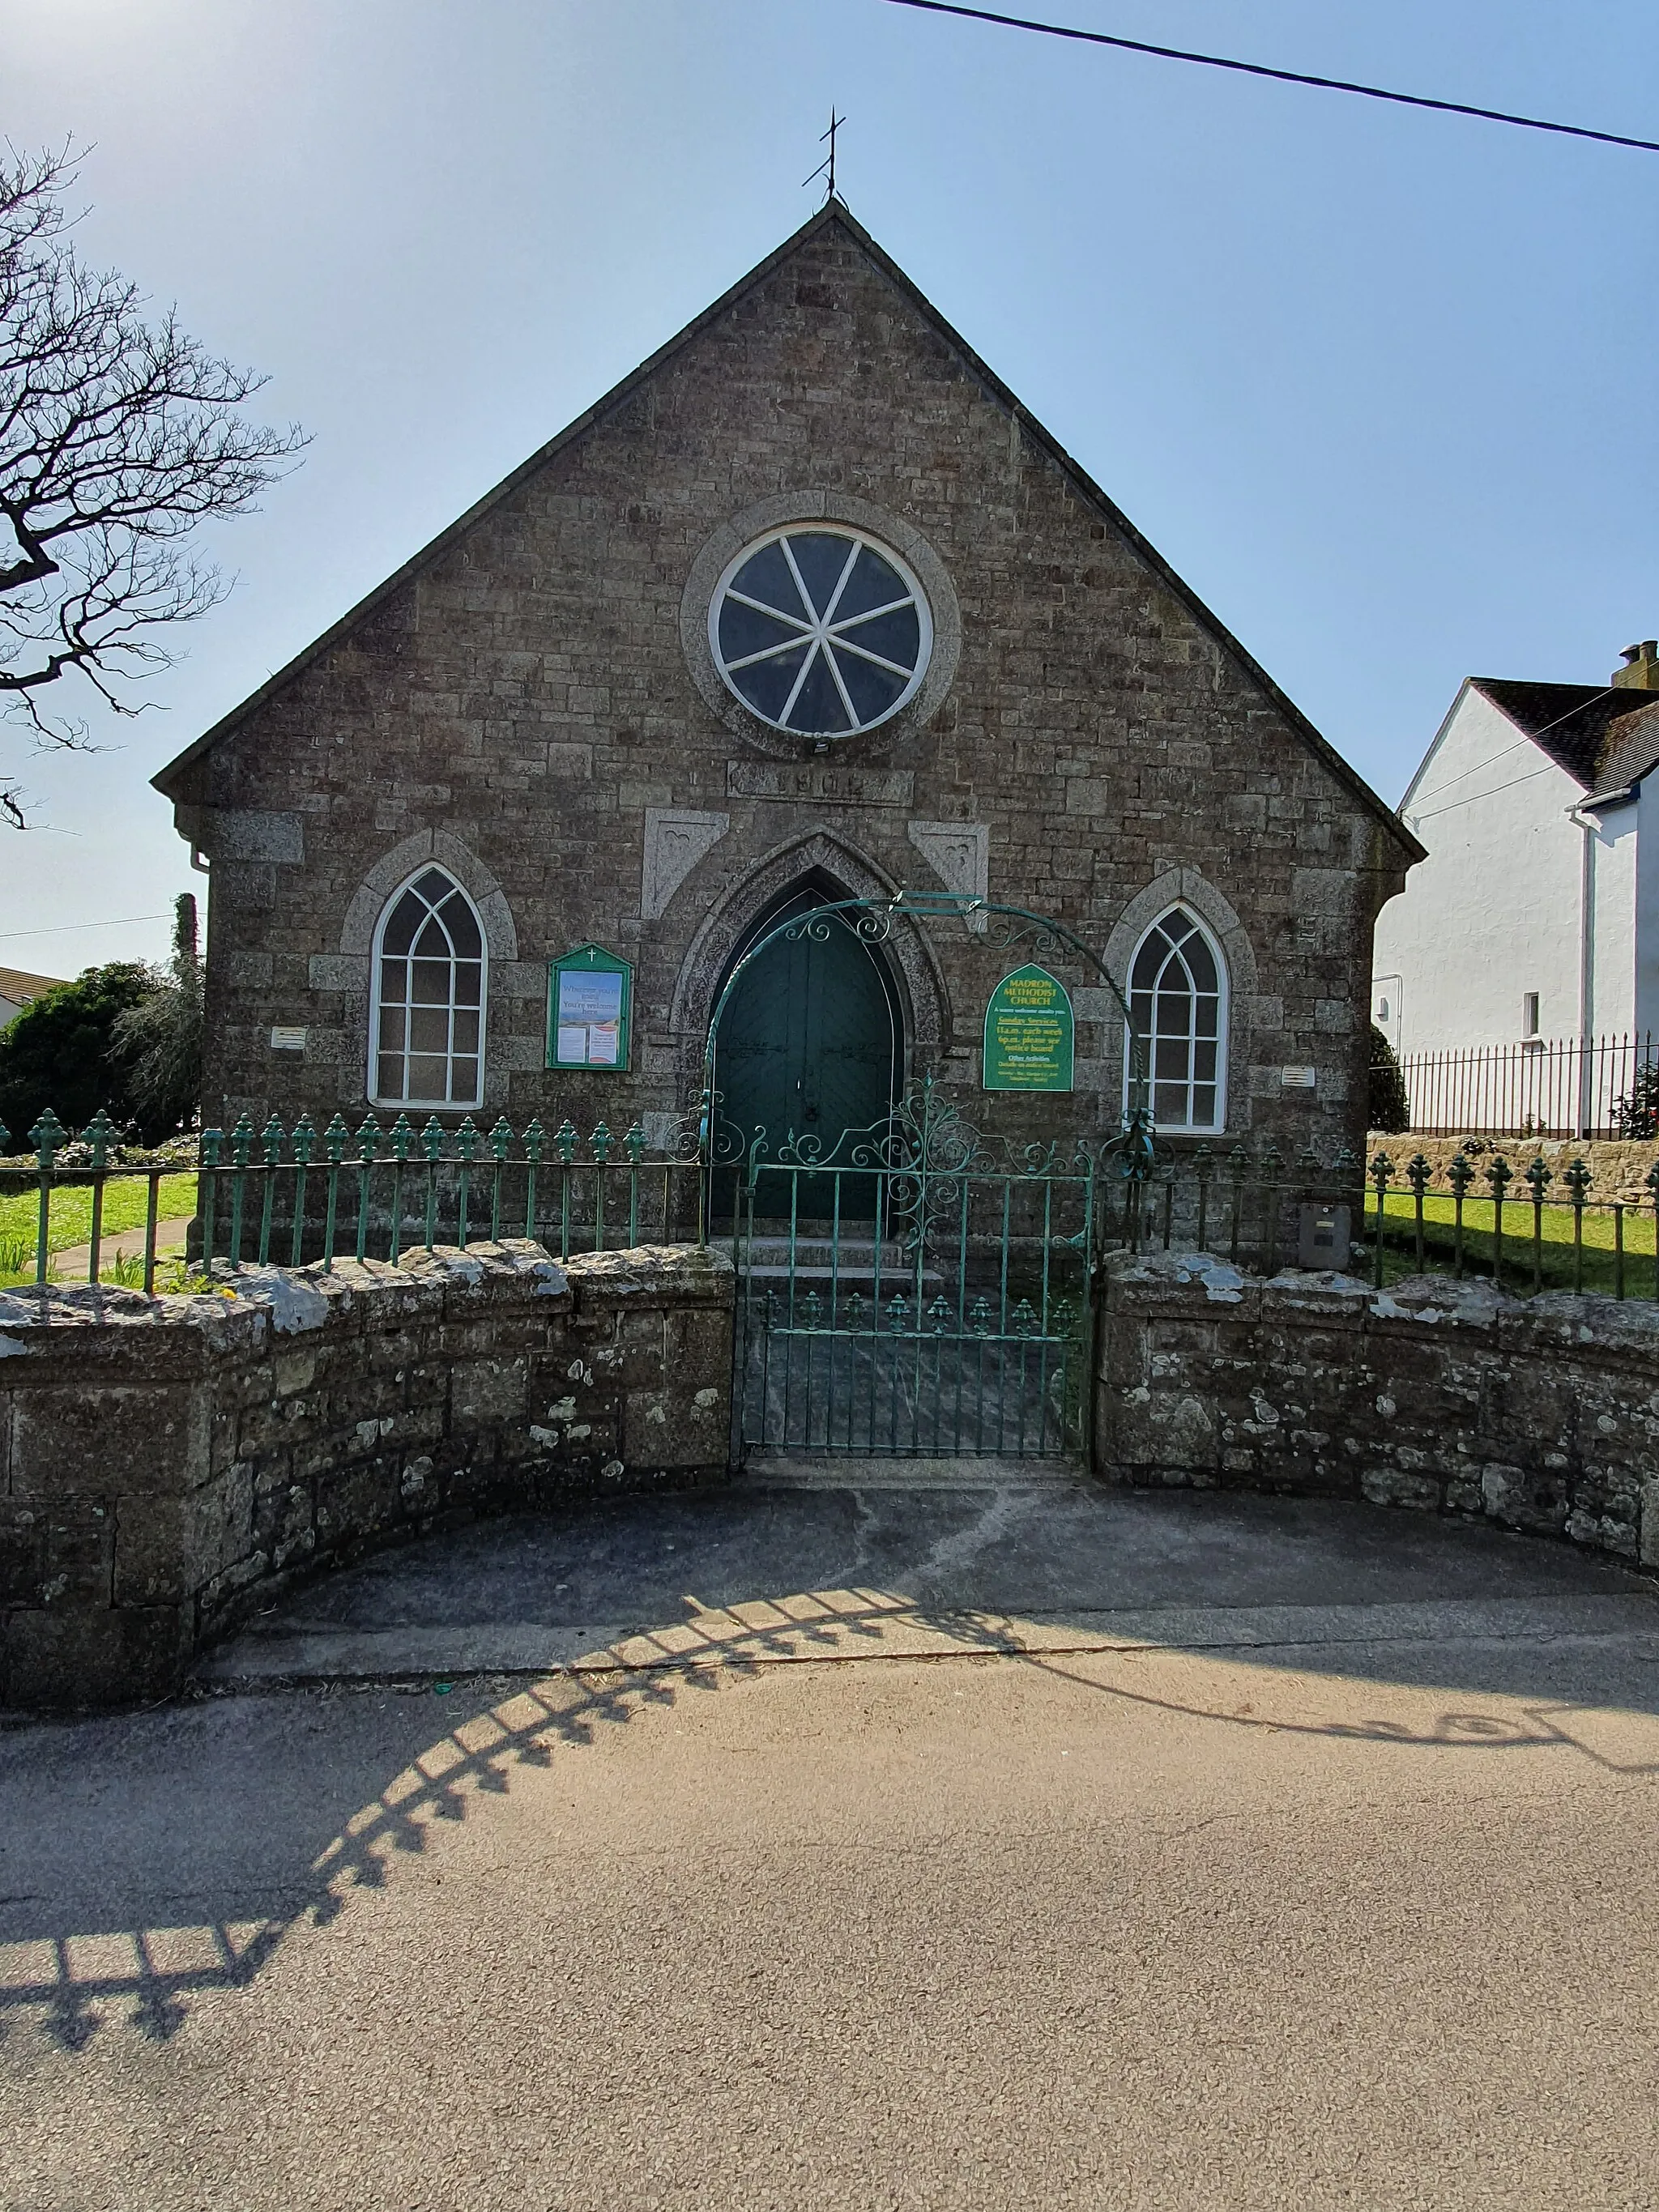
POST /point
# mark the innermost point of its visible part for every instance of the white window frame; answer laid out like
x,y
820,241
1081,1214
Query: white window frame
x,y
376,953
1223,1028
823,629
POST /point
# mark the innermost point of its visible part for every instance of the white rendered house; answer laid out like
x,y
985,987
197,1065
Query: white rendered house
x,y
1536,915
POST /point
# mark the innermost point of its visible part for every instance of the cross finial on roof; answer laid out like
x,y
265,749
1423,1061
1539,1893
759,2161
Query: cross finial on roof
x,y
827,169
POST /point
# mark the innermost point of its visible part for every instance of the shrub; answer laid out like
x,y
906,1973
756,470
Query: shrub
x,y
161,1037
60,1052
1637,1114
1390,1110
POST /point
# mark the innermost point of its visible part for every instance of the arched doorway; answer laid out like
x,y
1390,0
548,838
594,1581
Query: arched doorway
x,y
810,1043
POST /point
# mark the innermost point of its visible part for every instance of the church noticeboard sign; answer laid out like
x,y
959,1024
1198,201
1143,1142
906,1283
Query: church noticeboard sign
x,y
590,996
1029,1033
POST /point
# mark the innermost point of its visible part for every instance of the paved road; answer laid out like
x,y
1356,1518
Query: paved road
x,y
1063,1914
921,1559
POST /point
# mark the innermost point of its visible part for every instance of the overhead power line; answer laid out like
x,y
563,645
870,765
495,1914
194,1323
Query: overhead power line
x,y
1279,75
1470,798
59,929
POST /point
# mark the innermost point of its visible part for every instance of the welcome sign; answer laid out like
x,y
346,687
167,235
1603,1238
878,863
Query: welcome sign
x,y
588,1008
1029,1033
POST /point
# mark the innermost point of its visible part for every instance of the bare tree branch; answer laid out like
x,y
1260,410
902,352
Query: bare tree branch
x,y
119,436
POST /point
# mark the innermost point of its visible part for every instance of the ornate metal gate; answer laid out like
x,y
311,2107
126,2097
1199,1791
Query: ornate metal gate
x,y
917,1289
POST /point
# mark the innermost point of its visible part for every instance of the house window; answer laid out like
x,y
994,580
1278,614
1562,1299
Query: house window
x,y
429,1009
821,631
1178,1001
1529,1014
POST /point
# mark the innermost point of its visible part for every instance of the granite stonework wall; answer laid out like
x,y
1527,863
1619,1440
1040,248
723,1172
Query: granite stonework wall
x,y
529,706
1538,1413
161,1459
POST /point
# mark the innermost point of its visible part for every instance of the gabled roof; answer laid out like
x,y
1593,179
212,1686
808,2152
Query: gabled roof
x,y
1632,749
17,985
1573,723
834,212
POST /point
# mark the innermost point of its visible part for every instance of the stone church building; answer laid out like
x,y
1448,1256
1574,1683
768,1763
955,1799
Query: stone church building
x,y
809,608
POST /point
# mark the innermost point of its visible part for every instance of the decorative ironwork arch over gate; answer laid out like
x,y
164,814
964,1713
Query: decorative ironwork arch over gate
x,y
916,1288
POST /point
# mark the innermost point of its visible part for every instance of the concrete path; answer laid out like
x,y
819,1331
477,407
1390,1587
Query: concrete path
x,y
74,1263
1062,1915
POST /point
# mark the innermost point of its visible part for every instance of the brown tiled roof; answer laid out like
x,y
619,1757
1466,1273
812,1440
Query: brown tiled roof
x,y
20,986
1580,726
1632,748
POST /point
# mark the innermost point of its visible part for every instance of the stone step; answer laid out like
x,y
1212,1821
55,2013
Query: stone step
x,y
863,1247
856,1471
892,1279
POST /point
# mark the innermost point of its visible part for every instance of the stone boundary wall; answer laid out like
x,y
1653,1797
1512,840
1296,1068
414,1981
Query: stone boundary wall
x,y
1620,1165
1538,1413
160,1459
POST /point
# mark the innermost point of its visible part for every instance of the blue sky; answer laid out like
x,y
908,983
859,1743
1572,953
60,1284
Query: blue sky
x,y
1380,383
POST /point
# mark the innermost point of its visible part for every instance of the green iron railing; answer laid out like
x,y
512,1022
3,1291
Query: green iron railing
x,y
299,1195
74,1176
1471,1222
1527,1244
375,1192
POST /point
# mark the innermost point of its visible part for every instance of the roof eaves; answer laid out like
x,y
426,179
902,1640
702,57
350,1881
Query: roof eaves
x,y
1577,739
1617,797
21,984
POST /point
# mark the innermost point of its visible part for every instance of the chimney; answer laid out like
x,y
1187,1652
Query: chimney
x,y
1641,669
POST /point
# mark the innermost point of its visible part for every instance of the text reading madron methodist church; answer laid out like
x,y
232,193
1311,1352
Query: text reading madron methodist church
x,y
807,609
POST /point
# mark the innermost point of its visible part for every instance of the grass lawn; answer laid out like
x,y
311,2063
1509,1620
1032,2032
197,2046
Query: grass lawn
x,y
126,1199
1555,1254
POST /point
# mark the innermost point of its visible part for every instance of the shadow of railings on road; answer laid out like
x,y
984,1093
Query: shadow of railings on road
x,y
74,1975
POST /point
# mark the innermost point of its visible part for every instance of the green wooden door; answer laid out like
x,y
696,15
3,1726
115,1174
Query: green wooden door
x,y
808,1047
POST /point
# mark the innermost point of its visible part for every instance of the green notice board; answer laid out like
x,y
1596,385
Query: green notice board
x,y
1029,1033
589,1009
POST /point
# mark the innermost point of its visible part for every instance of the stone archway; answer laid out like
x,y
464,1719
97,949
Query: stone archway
x,y
809,1042
823,861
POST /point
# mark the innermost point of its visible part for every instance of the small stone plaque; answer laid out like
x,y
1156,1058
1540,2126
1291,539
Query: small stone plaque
x,y
819,781
675,841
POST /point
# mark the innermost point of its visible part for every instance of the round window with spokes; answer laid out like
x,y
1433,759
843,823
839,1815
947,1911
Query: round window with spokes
x,y
821,631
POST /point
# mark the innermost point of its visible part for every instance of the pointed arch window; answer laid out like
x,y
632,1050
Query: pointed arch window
x,y
428,999
1178,999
